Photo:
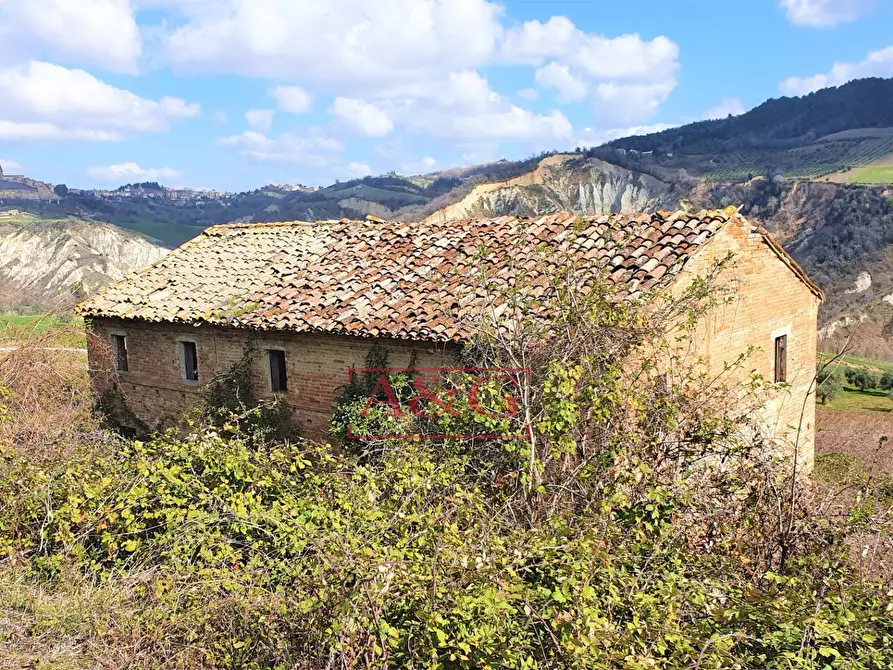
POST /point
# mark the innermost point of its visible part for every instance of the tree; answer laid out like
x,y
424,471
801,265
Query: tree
x,y
861,379
61,190
830,384
887,380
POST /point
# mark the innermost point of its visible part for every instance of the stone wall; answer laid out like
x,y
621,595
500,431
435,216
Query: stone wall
x,y
316,364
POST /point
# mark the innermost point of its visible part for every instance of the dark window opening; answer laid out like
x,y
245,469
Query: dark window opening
x,y
190,361
121,363
278,380
781,358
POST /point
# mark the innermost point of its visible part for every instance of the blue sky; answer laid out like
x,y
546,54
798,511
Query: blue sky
x,y
234,94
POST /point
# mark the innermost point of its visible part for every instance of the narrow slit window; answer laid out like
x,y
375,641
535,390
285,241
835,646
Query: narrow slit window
x,y
781,358
190,361
121,363
278,378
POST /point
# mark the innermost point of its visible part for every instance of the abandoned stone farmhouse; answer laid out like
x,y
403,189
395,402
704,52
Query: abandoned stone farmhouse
x,y
311,299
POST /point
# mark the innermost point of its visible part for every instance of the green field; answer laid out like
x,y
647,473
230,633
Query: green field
x,y
58,331
873,174
856,361
854,400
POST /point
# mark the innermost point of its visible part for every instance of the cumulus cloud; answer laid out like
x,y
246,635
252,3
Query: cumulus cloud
x,y
378,50
284,148
726,106
826,13
259,119
358,169
293,99
11,167
131,172
46,101
464,109
628,103
593,137
344,44
13,131
95,32
362,116
875,64
628,77
559,77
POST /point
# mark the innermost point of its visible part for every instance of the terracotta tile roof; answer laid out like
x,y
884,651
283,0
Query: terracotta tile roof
x,y
392,279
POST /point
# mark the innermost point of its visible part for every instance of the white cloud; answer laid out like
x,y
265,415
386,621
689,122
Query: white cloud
x,y
293,99
630,77
13,131
464,109
528,94
11,167
284,148
344,44
46,101
629,103
593,137
876,64
726,106
132,172
362,116
559,77
259,119
358,169
95,32
423,166
826,13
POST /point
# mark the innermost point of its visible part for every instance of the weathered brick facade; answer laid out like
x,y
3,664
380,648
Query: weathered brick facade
x,y
300,283
768,301
317,366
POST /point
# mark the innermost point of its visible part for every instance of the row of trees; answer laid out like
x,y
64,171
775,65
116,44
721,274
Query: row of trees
x,y
831,380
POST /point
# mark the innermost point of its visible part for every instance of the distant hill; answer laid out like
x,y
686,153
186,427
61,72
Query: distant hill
x,y
794,164
49,265
832,130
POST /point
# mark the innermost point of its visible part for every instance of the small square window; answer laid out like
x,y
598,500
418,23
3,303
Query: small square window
x,y
189,359
781,358
121,362
278,377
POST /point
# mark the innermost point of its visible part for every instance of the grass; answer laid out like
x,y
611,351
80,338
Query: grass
x,y
854,400
874,174
64,331
856,361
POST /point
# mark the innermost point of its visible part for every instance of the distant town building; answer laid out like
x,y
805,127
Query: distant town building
x,y
18,187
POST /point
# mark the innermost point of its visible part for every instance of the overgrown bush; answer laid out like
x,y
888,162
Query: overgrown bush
x,y
631,517
230,404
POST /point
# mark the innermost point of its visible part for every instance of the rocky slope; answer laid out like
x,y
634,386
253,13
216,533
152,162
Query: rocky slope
x,y
564,182
47,266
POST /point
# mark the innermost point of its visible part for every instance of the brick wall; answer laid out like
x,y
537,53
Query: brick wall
x,y
317,366
767,300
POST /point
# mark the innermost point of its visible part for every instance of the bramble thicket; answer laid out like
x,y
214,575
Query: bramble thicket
x,y
635,520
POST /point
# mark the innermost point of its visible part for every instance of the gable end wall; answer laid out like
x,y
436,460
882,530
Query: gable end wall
x,y
769,300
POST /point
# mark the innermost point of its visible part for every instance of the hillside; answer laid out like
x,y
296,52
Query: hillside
x,y
824,133
563,182
48,265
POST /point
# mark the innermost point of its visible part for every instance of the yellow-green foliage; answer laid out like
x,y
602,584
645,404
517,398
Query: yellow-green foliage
x,y
636,523
276,556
